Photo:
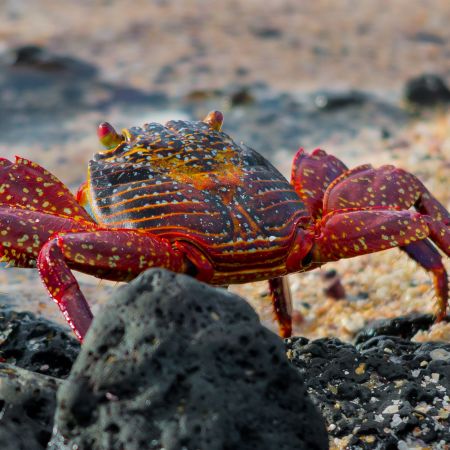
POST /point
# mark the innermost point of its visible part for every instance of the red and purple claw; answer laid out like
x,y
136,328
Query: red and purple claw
x,y
28,186
311,175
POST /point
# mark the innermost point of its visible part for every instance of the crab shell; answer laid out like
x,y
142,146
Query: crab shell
x,y
190,182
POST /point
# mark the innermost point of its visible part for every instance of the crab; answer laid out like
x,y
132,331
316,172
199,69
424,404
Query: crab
x,y
186,197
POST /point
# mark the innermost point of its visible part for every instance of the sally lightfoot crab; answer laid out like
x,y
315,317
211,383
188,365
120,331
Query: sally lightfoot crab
x,y
185,197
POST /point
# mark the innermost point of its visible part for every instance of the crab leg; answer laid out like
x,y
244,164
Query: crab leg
x,y
118,255
387,186
430,259
348,233
282,304
24,232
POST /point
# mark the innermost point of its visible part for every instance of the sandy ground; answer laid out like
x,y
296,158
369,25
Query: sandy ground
x,y
182,47
289,44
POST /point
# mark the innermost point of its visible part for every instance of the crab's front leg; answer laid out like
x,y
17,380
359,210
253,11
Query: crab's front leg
x,y
349,233
118,255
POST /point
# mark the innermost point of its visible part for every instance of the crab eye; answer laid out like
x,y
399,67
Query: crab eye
x,y
214,119
108,135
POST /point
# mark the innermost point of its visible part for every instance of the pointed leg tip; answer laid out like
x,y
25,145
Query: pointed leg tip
x,y
285,332
441,316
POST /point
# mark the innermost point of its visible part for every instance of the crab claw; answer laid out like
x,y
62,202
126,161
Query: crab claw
x,y
108,135
214,119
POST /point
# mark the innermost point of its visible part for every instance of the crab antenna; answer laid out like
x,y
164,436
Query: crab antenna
x,y
214,119
108,135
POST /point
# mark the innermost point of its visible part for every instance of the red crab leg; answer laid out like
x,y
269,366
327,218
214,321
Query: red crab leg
x,y
430,259
354,232
282,304
24,232
311,174
344,234
118,255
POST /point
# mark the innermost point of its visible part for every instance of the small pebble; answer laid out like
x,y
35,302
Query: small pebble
x,y
440,354
391,409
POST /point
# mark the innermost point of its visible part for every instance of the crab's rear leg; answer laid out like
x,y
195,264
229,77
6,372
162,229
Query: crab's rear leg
x,y
389,186
118,255
282,304
426,255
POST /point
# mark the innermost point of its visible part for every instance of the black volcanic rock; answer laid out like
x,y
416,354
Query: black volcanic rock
x,y
36,344
427,90
173,363
329,100
387,393
27,406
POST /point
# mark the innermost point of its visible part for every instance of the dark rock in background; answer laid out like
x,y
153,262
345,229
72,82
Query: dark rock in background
x,y
388,393
427,90
36,344
405,327
173,363
271,121
40,91
329,100
34,56
27,406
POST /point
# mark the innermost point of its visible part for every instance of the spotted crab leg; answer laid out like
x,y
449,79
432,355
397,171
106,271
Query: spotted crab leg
x,y
118,255
24,232
27,185
354,232
386,186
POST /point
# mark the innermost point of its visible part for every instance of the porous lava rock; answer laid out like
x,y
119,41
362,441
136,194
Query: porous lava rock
x,y
388,393
36,344
27,407
173,363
